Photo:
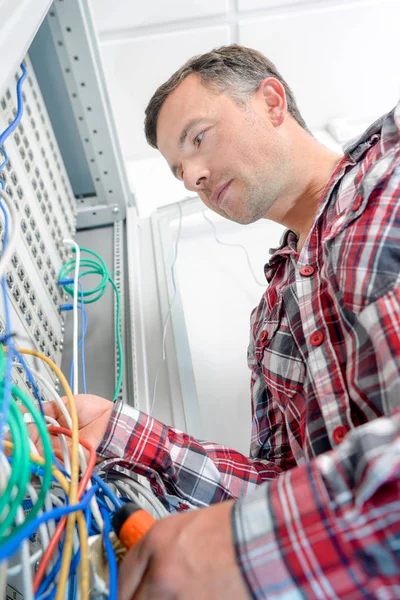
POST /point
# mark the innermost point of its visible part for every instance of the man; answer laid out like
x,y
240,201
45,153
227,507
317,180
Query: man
x,y
319,509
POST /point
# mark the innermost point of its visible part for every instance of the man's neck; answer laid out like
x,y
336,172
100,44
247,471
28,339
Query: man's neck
x,y
313,165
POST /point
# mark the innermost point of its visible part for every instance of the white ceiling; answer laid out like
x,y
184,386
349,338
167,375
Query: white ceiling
x,y
341,58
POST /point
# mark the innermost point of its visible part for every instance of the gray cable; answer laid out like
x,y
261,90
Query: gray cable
x,y
169,308
264,285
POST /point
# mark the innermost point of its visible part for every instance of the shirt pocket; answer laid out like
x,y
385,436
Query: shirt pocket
x,y
278,356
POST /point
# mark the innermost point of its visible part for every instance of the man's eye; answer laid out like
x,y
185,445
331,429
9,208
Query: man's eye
x,y
198,139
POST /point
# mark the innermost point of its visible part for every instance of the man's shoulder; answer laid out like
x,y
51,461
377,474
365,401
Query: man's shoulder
x,y
362,248
371,180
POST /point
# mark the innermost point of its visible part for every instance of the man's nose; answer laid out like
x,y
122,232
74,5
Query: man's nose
x,y
195,177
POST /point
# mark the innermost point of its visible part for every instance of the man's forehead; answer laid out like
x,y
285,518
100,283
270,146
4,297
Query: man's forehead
x,y
189,101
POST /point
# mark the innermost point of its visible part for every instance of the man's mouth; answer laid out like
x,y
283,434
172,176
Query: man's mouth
x,y
219,193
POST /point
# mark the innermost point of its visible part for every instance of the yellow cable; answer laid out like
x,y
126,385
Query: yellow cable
x,y
73,491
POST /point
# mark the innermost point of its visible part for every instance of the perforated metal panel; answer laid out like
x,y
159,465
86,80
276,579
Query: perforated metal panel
x,y
36,180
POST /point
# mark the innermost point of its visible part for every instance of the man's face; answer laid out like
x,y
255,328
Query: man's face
x,y
233,156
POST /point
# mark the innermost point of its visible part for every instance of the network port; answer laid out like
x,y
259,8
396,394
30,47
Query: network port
x,y
27,286
32,299
28,318
23,306
17,293
21,273
10,280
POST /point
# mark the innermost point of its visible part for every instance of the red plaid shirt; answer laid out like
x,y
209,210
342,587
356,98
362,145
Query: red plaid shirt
x,y
319,508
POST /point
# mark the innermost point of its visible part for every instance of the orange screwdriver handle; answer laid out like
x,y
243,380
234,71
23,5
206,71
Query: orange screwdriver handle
x,y
131,523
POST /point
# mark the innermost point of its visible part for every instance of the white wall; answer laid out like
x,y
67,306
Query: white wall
x,y
218,293
340,57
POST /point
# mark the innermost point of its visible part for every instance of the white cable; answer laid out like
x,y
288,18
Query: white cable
x,y
264,285
3,578
125,489
13,229
141,489
169,308
71,243
63,442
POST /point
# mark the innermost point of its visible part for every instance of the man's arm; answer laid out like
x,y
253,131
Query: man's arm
x,y
331,528
182,470
328,530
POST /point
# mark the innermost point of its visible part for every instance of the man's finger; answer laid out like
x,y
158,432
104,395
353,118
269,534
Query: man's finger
x,y
132,570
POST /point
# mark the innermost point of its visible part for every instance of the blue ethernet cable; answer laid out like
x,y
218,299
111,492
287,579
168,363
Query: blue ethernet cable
x,y
7,376
7,383
111,559
20,107
106,490
12,545
81,343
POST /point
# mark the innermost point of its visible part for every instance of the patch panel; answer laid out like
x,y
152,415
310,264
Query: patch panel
x,y
26,302
31,187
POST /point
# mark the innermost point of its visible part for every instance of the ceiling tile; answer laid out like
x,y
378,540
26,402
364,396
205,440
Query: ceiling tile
x,y
127,15
339,61
244,5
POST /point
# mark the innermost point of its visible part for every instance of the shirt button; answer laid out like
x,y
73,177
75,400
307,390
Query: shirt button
x,y
316,338
339,433
307,270
263,336
357,202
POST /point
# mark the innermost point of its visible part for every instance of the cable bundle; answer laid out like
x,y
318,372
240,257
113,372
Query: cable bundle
x,y
63,503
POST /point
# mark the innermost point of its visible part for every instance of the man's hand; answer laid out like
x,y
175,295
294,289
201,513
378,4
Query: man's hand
x,y
185,557
93,416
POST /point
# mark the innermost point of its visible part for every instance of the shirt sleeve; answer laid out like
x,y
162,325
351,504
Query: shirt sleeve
x,y
177,465
331,528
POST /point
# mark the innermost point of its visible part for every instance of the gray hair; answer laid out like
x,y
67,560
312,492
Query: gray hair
x,y
234,70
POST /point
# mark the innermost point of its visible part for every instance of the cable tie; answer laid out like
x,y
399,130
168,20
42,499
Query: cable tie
x,y
67,281
66,306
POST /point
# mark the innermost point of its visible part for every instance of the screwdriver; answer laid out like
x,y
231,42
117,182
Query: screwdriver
x,y
131,523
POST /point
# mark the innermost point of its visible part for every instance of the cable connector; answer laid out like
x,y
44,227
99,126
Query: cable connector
x,y
67,281
66,307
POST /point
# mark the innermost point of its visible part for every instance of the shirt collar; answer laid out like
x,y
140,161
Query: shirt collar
x,y
353,152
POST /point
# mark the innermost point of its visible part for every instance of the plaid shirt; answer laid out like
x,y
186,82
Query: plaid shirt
x,y
319,508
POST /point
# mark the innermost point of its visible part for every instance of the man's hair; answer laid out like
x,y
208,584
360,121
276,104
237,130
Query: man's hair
x,y
234,70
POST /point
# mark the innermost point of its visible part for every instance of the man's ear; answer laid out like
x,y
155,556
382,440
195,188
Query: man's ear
x,y
274,97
